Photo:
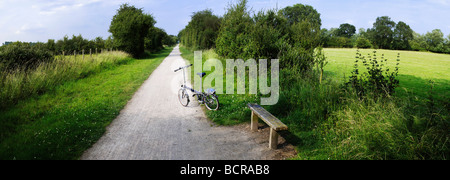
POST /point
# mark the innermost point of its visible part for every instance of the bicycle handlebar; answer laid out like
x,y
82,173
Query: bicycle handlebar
x,y
183,67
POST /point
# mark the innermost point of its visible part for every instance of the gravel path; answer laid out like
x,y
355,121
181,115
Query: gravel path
x,y
154,126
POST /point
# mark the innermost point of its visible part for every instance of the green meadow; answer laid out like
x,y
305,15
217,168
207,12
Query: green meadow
x,y
416,69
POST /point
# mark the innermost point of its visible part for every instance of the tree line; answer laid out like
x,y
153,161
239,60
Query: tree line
x,y
263,30
132,30
291,34
385,34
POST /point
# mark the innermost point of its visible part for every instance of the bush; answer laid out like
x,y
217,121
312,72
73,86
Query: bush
x,y
266,37
363,42
234,31
378,80
25,56
201,32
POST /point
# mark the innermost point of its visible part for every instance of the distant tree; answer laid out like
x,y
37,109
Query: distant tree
x,y
99,43
325,37
154,39
299,12
110,43
362,32
403,34
51,45
170,40
434,38
129,27
382,33
363,42
346,30
418,43
202,30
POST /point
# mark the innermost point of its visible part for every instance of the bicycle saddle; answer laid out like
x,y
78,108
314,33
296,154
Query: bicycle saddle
x,y
201,74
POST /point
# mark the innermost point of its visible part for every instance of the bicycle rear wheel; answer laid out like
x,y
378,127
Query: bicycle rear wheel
x,y
183,97
212,102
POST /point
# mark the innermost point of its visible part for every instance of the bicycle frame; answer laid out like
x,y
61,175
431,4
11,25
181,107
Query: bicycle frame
x,y
208,97
184,79
208,91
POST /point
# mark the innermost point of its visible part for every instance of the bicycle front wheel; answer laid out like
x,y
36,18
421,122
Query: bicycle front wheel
x,y
183,97
211,102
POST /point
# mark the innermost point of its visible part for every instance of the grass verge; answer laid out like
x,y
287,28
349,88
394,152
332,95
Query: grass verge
x,y
68,119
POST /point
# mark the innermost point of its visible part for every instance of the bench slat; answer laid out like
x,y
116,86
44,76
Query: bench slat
x,y
270,119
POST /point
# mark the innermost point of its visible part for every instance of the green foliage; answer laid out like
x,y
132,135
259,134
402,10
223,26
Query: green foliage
x,y
363,42
345,30
76,44
290,35
403,34
266,36
299,12
170,40
129,28
234,32
201,32
382,33
378,81
434,38
154,39
25,56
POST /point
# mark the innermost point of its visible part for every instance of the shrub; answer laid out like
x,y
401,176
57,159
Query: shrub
x,y
25,56
266,37
379,80
201,32
363,42
234,31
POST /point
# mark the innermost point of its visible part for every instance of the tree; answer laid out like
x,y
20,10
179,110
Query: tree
x,y
265,39
418,43
402,35
363,42
434,38
129,27
202,30
234,32
154,39
345,30
299,12
382,33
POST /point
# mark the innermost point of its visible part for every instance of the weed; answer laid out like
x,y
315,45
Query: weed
x,y
378,80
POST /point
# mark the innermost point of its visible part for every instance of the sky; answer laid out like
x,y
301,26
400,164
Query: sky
x,y
40,20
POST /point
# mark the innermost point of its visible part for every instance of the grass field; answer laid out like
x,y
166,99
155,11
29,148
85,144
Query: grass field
x,y
416,69
69,118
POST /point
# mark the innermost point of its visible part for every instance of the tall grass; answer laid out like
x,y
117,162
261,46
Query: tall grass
x,y
20,83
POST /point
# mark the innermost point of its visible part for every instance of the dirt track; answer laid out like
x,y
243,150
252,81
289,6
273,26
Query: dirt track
x,y
154,126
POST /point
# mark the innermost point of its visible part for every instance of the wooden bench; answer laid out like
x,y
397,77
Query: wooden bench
x,y
274,123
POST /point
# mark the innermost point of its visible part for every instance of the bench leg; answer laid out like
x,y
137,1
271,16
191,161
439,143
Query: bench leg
x,y
254,122
273,140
